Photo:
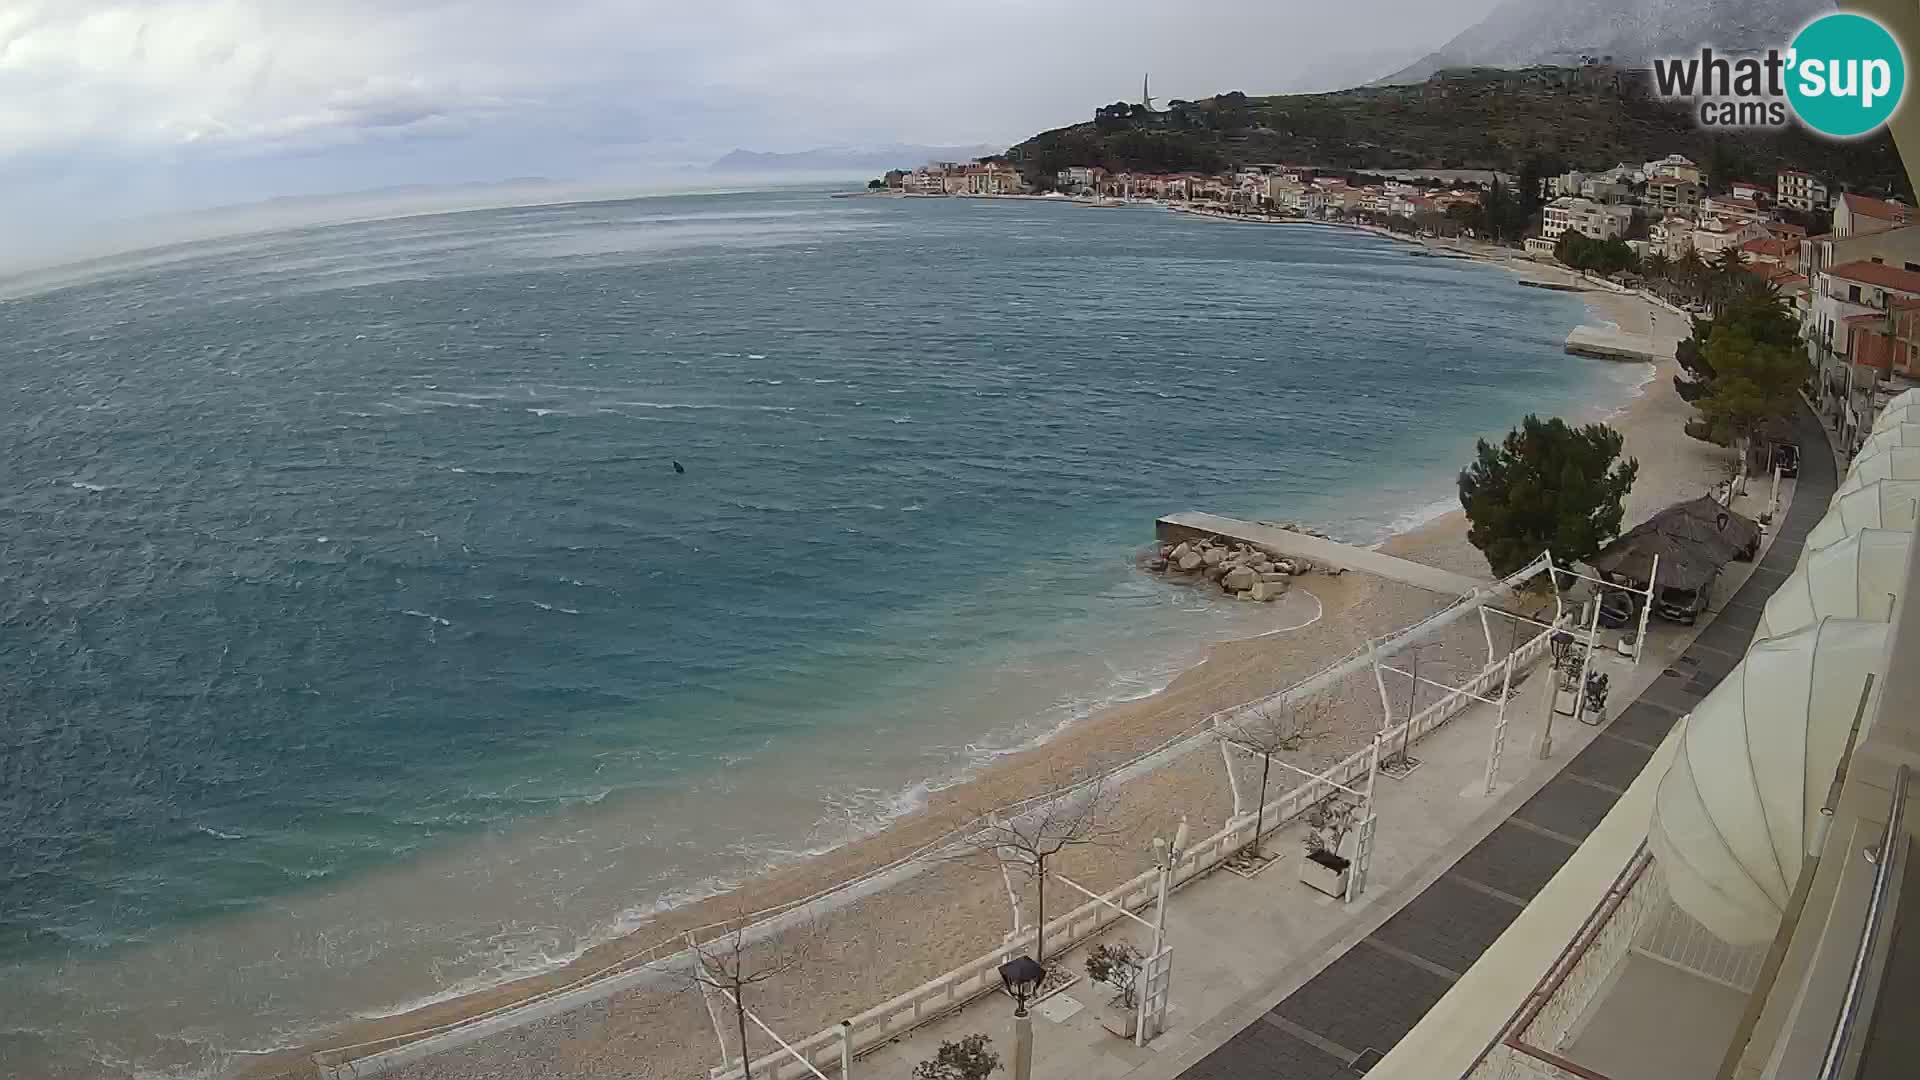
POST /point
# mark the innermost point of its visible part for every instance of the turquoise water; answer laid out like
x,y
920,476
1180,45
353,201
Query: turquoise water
x,y
363,643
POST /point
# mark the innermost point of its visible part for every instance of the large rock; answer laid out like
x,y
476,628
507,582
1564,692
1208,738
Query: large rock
x,y
1179,553
1284,566
1215,573
1240,577
1213,556
1157,563
1268,590
1263,567
1189,561
1276,577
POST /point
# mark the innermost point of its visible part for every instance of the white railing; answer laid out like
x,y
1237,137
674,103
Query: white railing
x,y
1671,936
979,976
1529,1046
945,993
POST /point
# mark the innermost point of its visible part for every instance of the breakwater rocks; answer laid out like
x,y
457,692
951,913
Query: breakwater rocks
x,y
1246,571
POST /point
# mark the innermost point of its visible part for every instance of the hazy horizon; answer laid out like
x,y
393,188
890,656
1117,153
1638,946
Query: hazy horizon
x,y
120,111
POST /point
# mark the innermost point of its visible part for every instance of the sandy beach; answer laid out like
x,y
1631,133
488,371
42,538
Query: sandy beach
x,y
949,912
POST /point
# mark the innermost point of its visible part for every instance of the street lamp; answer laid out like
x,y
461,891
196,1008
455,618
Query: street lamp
x,y
1022,976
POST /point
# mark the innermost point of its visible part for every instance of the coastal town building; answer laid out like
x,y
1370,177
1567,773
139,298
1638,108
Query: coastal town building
x,y
1729,208
1597,220
1856,288
1799,190
1672,167
1888,342
1857,215
1673,195
1080,178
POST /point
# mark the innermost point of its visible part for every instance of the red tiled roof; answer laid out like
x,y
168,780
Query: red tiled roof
x,y
1785,229
1766,245
1873,273
1875,208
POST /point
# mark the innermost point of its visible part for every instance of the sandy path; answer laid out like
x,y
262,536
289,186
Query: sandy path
x,y
887,943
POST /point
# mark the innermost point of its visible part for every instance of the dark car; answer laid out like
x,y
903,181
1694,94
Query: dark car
x,y
1787,458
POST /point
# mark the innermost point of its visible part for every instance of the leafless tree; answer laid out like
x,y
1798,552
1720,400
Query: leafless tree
x,y
1267,729
735,962
1067,814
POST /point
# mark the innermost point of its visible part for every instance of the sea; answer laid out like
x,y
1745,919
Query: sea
x,y
388,609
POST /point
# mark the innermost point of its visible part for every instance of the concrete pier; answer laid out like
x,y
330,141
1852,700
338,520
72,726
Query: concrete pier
x,y
1190,524
1606,343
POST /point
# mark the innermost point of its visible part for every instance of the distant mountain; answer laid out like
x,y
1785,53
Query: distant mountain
x,y
851,160
1521,33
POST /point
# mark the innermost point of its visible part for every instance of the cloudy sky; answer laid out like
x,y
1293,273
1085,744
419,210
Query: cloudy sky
x,y
112,108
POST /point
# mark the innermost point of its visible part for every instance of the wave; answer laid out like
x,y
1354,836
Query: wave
x,y
435,619
550,607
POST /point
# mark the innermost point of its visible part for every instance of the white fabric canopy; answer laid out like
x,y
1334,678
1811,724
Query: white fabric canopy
x,y
1884,463
1883,504
1855,578
1907,412
1737,810
1903,400
1898,434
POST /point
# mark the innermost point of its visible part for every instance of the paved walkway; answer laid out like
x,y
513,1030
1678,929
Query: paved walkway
x,y
1324,552
1352,1012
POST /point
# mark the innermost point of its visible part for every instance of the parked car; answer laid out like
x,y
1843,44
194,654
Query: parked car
x,y
1618,609
1684,606
1787,458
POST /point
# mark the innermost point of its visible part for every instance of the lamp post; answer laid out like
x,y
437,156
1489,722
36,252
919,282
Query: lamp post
x,y
1562,644
1022,976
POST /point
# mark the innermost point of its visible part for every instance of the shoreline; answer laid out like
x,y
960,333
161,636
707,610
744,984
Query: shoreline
x,y
1227,673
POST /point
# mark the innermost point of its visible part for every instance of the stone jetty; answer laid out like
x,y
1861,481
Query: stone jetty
x,y
1242,570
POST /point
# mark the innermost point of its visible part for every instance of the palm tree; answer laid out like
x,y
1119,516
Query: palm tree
x,y
1728,274
1656,267
1691,271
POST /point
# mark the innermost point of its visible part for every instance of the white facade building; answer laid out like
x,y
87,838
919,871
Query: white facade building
x,y
1597,220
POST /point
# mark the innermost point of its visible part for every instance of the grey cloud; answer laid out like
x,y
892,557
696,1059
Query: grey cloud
x,y
386,90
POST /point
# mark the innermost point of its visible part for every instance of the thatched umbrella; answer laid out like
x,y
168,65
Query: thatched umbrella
x,y
1738,529
1684,563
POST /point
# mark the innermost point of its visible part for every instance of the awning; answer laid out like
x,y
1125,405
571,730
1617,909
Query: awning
x,y
1883,504
1855,578
1901,434
1908,413
1739,807
1884,463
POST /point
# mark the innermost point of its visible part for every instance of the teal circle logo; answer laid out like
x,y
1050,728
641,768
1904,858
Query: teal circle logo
x,y
1846,75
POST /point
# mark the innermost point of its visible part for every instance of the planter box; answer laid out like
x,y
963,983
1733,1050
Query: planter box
x,y
1326,872
1121,1020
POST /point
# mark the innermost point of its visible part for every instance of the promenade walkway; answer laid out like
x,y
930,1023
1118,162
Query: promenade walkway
x,y
1353,1010
1274,981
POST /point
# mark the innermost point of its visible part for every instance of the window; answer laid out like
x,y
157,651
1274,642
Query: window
x,y
1853,293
